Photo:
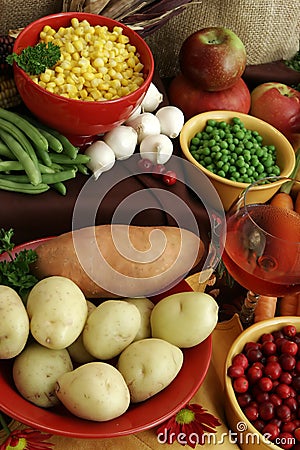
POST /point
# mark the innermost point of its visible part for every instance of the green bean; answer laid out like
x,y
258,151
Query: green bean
x,y
25,188
47,178
38,140
44,156
20,137
7,166
46,169
4,151
83,169
60,158
60,188
53,143
22,156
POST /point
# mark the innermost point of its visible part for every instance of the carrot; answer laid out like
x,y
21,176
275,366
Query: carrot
x,y
282,200
265,308
297,203
290,305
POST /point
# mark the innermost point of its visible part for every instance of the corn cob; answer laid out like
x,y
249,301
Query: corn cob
x,y
6,48
9,96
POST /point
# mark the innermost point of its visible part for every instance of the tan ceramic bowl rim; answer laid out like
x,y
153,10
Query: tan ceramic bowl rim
x,y
225,115
282,320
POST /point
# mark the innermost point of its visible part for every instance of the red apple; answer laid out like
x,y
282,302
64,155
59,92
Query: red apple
x,y
193,100
277,104
214,58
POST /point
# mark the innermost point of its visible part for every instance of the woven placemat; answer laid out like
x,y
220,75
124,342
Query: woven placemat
x,y
269,29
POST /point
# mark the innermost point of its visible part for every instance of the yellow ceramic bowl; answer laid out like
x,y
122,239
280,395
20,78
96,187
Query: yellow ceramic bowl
x,y
249,437
229,190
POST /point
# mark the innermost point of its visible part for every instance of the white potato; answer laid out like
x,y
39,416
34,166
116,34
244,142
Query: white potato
x,y
145,306
14,324
36,370
148,366
110,328
57,310
94,391
184,319
77,350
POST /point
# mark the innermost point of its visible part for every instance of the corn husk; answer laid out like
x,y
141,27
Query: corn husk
x,y
143,16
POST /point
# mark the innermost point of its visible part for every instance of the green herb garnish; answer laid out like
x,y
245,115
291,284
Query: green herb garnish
x,y
15,271
35,60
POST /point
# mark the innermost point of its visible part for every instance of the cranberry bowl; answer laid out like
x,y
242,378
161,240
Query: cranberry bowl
x,y
262,383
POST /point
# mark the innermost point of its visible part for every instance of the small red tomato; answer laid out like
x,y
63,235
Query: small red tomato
x,y
158,170
145,165
169,177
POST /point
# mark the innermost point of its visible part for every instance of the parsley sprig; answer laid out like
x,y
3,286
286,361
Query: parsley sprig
x,y
35,60
15,271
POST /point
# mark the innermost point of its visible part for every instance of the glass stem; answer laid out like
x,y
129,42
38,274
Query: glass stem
x,y
247,311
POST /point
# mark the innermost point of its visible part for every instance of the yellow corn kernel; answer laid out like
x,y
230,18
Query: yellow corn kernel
x,y
88,76
58,69
115,83
60,80
76,56
124,90
75,22
128,73
95,94
78,44
117,30
131,62
66,65
139,67
76,69
83,94
108,95
123,39
61,31
69,47
98,62
45,77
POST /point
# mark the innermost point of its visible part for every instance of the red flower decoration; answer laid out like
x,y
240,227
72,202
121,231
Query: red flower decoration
x,y
26,440
188,426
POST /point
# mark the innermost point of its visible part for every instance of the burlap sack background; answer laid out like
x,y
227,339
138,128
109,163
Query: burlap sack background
x,y
270,29
19,13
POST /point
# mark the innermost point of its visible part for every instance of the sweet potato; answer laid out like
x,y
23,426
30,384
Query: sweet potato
x,y
120,260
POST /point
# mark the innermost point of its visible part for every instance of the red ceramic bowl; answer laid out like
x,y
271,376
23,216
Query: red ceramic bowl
x,y
76,119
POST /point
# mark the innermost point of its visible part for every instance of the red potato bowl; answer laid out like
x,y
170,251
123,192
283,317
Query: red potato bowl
x,y
140,416
77,119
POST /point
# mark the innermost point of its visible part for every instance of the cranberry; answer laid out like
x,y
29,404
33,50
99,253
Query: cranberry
x,y
259,424
291,403
265,384
283,412
275,399
261,396
297,433
289,330
158,170
244,399
286,378
271,430
240,360
266,411
277,334
251,345
145,164
240,384
254,354
289,427
287,362
283,390
279,342
286,440
251,412
267,337
272,358
289,347
273,370
297,367
235,371
169,177
254,373
269,348
296,383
